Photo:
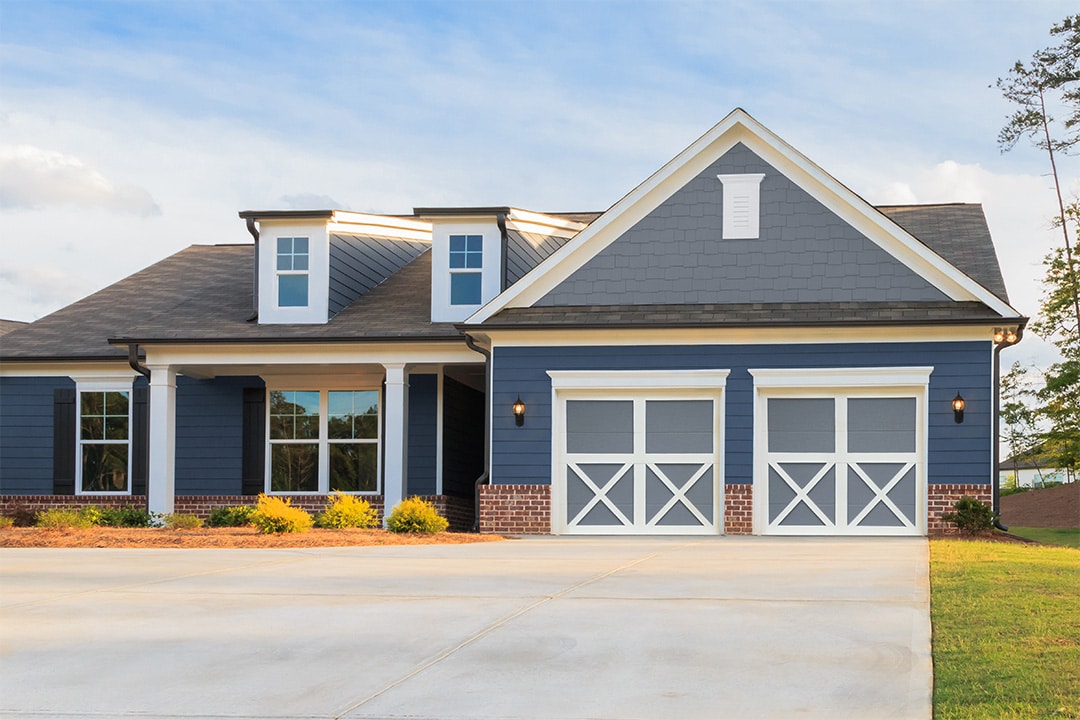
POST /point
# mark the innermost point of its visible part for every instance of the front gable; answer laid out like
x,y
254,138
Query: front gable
x,y
680,253
818,242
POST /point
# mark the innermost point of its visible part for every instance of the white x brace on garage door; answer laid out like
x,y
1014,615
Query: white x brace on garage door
x,y
840,452
637,452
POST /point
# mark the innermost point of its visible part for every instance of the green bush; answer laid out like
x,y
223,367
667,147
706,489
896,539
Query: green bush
x,y
62,518
347,511
971,516
414,515
232,516
6,522
180,521
129,516
274,515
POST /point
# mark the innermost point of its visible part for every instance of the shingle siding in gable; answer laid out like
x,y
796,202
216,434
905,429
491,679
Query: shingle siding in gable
x,y
957,453
359,263
676,254
26,433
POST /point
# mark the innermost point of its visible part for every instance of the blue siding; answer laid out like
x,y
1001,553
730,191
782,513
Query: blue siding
x,y
957,453
26,434
423,429
209,431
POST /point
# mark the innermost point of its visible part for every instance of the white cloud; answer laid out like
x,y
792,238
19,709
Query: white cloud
x,y
34,178
33,291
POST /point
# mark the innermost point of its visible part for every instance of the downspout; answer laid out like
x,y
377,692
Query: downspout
x,y
133,361
995,491
500,220
485,477
255,283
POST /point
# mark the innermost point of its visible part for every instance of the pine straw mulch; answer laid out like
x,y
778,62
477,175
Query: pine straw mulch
x,y
242,537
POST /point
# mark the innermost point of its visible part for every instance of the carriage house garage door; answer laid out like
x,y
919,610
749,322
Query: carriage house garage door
x,y
637,452
840,452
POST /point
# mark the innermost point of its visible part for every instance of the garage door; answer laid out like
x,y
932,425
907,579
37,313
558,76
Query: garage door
x,y
638,464
841,464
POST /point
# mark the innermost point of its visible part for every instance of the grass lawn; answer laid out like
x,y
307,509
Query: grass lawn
x,y
1006,629
1053,536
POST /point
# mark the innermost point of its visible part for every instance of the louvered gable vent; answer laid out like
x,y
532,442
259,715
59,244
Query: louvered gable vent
x,y
742,206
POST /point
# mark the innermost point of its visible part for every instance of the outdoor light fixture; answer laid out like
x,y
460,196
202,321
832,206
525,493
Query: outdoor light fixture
x,y
958,407
519,412
1005,335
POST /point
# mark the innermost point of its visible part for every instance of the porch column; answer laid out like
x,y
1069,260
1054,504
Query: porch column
x,y
395,445
161,482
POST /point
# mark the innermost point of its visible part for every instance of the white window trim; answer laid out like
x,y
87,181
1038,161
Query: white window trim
x,y
278,274
744,188
101,385
837,383
324,440
635,385
466,270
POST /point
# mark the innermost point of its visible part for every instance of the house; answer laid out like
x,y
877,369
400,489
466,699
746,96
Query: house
x,y
1031,470
741,344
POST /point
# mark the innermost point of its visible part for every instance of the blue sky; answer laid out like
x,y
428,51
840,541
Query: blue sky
x,y
129,130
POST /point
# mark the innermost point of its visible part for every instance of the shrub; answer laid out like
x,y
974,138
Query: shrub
x,y
59,518
232,516
274,515
124,517
971,516
21,514
180,521
6,522
414,515
347,511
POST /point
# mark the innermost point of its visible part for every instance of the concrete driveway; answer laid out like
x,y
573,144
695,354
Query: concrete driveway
x,y
535,628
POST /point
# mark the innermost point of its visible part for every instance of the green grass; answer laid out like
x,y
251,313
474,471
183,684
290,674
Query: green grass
x,y
1006,630
1070,537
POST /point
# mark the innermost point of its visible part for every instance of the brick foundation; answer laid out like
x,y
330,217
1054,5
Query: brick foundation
x,y
738,509
517,509
457,510
941,499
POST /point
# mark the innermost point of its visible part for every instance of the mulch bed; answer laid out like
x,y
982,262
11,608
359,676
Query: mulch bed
x,y
246,537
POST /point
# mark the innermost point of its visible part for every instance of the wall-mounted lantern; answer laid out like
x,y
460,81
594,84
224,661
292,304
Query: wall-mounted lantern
x,y
958,405
519,412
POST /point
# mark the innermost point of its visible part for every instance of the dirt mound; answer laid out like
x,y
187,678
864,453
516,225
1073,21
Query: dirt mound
x,y
1056,507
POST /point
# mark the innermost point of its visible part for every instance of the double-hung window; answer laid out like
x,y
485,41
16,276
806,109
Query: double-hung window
x,y
466,269
104,448
324,440
292,271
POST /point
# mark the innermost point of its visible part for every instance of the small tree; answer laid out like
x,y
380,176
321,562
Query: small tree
x,y
1018,417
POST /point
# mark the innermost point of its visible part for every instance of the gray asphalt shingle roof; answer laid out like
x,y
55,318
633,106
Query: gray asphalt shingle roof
x,y
204,294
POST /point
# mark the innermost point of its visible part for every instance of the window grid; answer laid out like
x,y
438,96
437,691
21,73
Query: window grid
x,y
466,269
104,449
293,260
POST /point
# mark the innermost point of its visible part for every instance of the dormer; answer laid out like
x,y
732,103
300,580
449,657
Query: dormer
x,y
310,264
466,259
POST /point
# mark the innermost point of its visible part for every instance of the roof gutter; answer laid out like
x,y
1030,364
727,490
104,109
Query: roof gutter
x,y
485,477
250,219
995,491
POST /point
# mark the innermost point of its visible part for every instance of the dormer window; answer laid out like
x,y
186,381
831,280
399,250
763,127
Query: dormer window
x,y
466,269
742,205
292,271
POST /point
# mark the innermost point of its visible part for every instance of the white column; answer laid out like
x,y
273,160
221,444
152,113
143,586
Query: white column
x,y
396,443
161,483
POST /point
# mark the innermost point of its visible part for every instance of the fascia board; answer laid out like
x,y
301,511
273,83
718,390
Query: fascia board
x,y
737,127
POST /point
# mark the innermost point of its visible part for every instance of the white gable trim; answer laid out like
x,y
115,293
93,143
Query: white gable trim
x,y
738,127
